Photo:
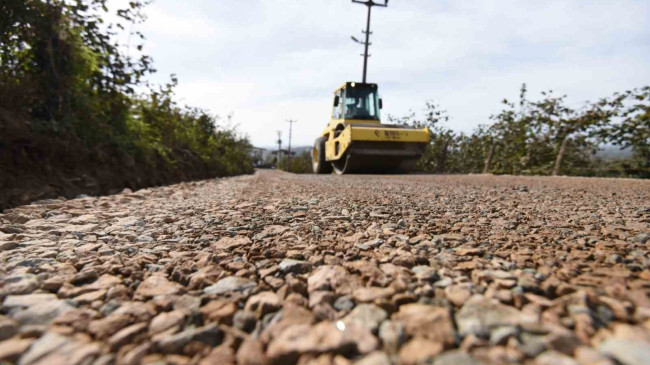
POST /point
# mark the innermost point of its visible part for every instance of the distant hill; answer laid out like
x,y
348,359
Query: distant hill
x,y
297,149
609,153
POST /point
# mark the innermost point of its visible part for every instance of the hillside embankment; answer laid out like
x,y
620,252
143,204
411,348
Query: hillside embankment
x,y
36,166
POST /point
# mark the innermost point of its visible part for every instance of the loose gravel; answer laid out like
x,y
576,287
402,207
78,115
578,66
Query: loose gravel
x,y
276,268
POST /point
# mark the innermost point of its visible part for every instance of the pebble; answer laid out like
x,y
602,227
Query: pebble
x,y
500,335
11,350
209,334
455,357
419,351
6,246
251,352
554,358
102,328
8,328
228,285
480,315
48,343
392,335
263,303
165,321
322,338
244,321
627,352
157,285
427,321
42,313
127,334
18,301
344,303
294,266
374,358
368,316
219,310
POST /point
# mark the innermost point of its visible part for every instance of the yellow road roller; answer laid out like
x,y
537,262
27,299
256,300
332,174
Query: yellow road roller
x,y
355,141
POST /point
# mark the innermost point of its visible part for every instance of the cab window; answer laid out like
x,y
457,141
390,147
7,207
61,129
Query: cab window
x,y
361,102
337,111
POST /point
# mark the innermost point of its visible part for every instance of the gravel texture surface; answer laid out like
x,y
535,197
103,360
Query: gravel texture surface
x,y
277,268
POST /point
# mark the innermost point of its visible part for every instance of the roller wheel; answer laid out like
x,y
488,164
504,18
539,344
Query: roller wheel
x,y
319,164
342,165
350,163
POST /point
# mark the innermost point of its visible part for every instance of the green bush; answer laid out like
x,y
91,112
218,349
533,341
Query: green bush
x,y
300,164
68,105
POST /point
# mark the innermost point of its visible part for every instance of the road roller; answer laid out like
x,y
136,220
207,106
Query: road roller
x,y
355,140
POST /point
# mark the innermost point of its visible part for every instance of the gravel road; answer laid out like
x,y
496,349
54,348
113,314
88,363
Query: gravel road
x,y
276,268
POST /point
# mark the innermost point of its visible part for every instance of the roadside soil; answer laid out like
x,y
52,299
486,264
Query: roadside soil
x,y
276,268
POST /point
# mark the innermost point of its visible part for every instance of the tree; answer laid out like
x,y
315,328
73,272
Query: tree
x,y
633,131
511,137
540,137
437,154
563,125
469,153
487,138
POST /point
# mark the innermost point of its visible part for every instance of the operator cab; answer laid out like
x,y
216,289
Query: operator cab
x,y
357,101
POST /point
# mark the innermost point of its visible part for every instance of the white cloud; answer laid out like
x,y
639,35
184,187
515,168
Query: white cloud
x,y
178,26
270,60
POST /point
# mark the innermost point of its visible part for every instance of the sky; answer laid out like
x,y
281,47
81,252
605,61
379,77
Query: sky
x,y
268,61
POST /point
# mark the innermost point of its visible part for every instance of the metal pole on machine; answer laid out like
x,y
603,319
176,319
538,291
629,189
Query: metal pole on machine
x,y
369,4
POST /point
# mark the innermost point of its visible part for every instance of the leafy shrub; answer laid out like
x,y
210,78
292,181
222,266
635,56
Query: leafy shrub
x,y
68,107
300,164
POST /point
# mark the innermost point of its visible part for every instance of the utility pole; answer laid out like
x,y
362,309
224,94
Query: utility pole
x,y
279,147
290,129
369,4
